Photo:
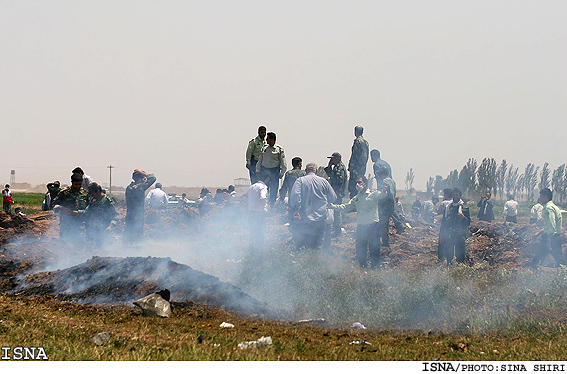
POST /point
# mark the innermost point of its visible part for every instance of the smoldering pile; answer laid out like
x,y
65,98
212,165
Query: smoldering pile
x,y
113,280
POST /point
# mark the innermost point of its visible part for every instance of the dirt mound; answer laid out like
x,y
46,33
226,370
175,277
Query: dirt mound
x,y
113,280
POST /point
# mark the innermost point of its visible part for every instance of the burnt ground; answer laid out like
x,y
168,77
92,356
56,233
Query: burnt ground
x,y
28,246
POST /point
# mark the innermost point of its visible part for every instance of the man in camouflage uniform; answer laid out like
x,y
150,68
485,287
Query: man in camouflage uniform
x,y
272,159
255,147
74,197
291,176
134,221
100,215
386,204
289,179
358,160
337,173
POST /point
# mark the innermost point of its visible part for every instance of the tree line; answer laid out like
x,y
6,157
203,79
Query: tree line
x,y
503,179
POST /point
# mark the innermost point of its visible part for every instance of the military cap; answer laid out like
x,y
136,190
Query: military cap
x,y
335,154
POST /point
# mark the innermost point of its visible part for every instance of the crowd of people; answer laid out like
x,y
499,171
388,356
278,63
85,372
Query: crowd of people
x,y
314,200
315,203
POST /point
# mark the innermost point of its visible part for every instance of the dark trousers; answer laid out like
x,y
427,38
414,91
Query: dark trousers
x,y
310,234
454,246
442,243
384,212
257,221
368,243
252,171
512,219
133,228
273,183
548,241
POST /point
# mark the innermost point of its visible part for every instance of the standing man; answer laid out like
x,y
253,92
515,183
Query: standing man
x,y
455,223
53,189
378,163
291,176
100,215
386,204
443,230
428,210
7,198
272,159
416,208
253,152
550,235
338,179
308,201
257,208
157,198
69,199
134,221
358,160
486,211
87,179
510,212
365,203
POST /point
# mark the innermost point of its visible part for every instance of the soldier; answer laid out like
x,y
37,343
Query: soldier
x,y
272,159
358,160
385,204
134,221
291,176
255,147
338,178
100,215
72,198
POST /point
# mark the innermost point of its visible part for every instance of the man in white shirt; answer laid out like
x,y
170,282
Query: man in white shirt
x,y
156,198
257,208
510,212
308,201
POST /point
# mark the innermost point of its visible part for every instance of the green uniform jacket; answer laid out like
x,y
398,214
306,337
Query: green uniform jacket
x,y
289,179
359,156
135,196
99,214
338,178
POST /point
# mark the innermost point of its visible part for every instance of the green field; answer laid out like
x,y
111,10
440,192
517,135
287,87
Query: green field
x,y
29,202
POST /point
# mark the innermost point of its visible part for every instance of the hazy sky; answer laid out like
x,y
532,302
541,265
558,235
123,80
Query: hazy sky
x,y
178,88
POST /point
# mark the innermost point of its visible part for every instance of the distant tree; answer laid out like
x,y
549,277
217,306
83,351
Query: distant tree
x,y
520,187
559,182
429,185
501,177
439,184
467,176
530,180
544,177
409,181
511,180
452,180
486,174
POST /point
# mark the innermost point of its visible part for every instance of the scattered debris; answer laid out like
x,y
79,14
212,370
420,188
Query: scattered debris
x,y
316,321
262,342
495,352
226,325
200,339
358,325
155,305
359,342
216,345
100,338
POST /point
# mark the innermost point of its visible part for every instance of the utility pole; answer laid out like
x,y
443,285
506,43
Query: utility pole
x,y
110,186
